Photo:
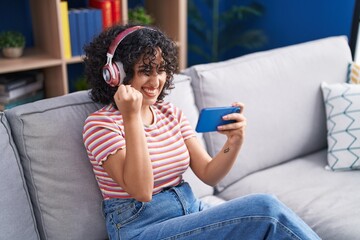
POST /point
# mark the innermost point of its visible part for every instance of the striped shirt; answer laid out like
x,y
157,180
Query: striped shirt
x,y
104,134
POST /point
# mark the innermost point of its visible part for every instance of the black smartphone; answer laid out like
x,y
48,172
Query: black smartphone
x,y
211,118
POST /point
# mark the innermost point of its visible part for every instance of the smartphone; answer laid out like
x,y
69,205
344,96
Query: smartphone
x,y
211,118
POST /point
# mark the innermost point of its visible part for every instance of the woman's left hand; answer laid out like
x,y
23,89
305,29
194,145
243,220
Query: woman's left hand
x,y
234,131
212,169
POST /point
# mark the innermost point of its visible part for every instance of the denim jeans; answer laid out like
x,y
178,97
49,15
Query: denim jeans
x,y
176,213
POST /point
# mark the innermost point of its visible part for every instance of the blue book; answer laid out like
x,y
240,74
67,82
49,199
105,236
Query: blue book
x,y
98,21
75,50
81,27
90,24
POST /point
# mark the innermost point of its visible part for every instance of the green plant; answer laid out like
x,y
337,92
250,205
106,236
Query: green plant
x,y
225,30
139,15
81,84
10,39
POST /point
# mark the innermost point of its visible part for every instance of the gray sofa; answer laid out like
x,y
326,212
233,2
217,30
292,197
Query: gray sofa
x,y
49,191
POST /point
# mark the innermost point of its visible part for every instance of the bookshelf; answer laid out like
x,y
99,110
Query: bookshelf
x,y
48,54
171,17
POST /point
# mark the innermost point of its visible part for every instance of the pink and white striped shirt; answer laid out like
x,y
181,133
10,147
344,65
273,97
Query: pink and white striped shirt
x,y
104,134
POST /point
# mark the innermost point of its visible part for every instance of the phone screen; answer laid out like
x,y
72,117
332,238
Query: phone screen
x,y
211,118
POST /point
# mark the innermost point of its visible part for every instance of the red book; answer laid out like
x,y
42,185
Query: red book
x,y
106,9
116,11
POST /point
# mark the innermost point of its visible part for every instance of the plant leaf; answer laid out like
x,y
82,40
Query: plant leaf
x,y
241,13
198,51
250,39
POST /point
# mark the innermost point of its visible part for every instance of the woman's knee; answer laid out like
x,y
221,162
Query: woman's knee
x,y
265,205
264,199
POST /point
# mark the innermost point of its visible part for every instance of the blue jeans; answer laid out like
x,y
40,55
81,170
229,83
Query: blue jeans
x,y
176,213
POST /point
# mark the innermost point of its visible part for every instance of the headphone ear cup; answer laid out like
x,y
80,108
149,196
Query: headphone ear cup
x,y
109,75
113,74
120,72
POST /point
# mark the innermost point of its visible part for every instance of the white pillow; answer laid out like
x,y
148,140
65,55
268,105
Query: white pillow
x,y
342,104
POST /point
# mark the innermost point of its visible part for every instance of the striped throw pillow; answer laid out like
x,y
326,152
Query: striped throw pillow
x,y
353,75
342,104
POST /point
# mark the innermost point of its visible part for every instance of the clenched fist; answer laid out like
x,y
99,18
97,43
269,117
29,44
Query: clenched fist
x,y
128,100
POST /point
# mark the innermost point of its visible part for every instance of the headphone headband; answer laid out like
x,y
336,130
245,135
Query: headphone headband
x,y
114,44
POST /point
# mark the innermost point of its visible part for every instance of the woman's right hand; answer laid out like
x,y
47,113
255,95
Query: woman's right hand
x,y
128,100
131,166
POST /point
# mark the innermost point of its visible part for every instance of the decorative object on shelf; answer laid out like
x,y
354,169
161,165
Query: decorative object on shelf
x,y
81,83
12,43
138,15
218,31
20,88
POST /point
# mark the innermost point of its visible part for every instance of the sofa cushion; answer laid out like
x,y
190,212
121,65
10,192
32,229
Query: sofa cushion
x,y
280,90
64,192
328,201
17,220
342,103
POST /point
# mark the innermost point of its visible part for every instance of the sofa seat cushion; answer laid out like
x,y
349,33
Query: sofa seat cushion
x,y
281,93
328,201
17,220
62,186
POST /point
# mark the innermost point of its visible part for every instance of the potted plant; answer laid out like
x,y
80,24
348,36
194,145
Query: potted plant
x,y
12,43
138,15
225,32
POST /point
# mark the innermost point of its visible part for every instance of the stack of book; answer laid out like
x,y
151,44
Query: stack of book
x,y
111,11
84,24
20,88
80,25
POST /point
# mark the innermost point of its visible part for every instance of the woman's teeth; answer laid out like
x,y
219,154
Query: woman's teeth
x,y
149,91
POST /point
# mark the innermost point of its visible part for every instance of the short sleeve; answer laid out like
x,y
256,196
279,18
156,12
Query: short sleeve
x,y
102,137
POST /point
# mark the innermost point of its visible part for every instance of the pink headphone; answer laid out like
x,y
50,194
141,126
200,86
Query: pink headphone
x,y
113,73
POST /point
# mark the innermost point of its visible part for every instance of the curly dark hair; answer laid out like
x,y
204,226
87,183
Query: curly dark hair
x,y
142,43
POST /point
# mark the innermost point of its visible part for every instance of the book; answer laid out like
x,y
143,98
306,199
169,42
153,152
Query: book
x,y
90,23
75,50
116,11
65,28
93,23
81,29
30,97
11,81
105,6
98,21
27,88
85,24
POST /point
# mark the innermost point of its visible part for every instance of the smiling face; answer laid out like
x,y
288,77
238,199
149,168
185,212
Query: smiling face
x,y
149,78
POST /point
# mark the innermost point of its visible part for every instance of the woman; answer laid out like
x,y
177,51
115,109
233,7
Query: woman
x,y
140,146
